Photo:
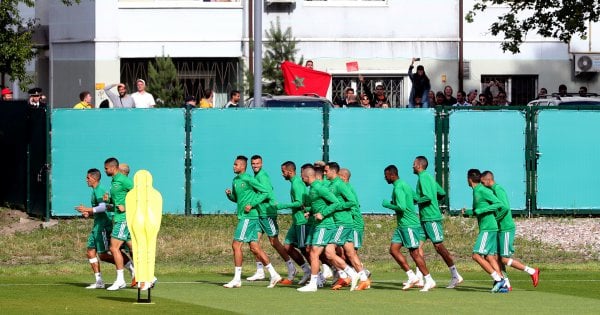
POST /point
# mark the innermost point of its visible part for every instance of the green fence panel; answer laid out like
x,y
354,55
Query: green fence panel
x,y
278,135
568,143
487,140
367,140
152,139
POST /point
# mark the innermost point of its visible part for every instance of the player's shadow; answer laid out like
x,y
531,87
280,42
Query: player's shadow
x,y
75,284
118,299
467,288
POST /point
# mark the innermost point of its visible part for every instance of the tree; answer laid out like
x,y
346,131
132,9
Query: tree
x,y
16,47
550,18
279,46
164,84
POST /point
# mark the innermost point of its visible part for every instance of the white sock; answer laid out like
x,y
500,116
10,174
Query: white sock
x,y
419,273
506,282
306,268
411,275
453,271
363,276
342,274
98,276
290,264
237,276
120,277
529,270
350,272
428,278
495,276
259,267
271,270
326,268
313,280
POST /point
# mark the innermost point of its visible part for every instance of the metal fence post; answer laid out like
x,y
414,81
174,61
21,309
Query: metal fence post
x,y
188,161
326,110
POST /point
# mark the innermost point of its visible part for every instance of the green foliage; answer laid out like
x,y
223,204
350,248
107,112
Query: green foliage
x,y
16,46
279,46
549,18
164,84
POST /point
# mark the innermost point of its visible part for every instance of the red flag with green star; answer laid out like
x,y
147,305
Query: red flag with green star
x,y
299,80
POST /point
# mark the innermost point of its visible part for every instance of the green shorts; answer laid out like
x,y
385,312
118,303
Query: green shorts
x,y
246,231
434,230
268,225
120,232
296,236
322,236
357,238
343,235
409,237
487,243
506,240
309,234
99,239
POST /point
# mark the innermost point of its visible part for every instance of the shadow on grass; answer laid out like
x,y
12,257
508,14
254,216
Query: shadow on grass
x,y
75,284
119,299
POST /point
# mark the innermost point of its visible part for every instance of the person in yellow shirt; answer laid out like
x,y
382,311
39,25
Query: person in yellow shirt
x,y
86,101
207,100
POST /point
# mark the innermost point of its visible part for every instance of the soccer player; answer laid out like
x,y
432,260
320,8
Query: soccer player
x,y
295,238
120,186
99,238
359,223
409,232
426,197
506,232
344,224
248,193
323,204
485,207
267,219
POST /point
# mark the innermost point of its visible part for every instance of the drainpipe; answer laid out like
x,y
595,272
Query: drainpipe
x,y
460,46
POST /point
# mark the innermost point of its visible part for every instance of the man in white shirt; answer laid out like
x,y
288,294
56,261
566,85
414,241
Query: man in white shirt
x,y
141,98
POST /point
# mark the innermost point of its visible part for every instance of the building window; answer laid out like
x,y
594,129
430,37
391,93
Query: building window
x,y
393,86
519,89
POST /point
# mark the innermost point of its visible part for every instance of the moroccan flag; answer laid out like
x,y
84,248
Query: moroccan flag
x,y
299,80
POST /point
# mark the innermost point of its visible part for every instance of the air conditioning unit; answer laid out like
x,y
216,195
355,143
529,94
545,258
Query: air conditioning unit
x,y
587,63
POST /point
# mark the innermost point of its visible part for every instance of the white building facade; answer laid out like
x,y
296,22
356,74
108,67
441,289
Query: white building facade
x,y
102,42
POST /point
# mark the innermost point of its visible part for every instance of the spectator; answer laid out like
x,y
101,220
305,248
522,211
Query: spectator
x,y
448,98
501,99
431,98
352,101
141,98
493,88
420,85
365,101
439,98
379,97
417,103
190,102
472,98
542,94
234,99
7,94
104,104
562,90
385,105
309,64
583,91
35,96
207,100
484,100
123,100
348,97
85,98
461,99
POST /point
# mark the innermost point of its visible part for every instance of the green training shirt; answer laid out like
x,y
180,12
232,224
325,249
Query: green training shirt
x,y
485,205
343,215
426,198
402,204
503,217
246,190
359,223
119,187
324,202
268,207
297,193
101,219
